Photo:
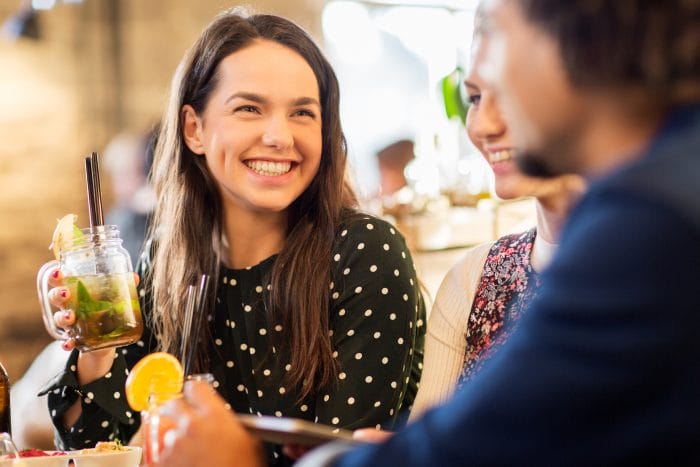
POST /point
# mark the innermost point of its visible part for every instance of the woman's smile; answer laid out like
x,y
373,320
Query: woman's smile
x,y
269,168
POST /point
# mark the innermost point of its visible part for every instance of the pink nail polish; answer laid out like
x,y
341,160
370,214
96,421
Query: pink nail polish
x,y
64,293
54,274
67,315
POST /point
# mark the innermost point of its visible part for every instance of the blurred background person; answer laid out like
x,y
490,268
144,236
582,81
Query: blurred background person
x,y
392,160
127,161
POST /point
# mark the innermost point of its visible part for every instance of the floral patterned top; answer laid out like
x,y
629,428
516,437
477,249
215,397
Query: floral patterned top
x,y
508,284
377,331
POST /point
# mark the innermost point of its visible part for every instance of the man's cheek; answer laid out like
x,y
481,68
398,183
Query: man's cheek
x,y
493,63
493,67
519,124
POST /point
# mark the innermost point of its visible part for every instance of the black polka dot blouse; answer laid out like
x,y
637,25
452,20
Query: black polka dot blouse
x,y
377,330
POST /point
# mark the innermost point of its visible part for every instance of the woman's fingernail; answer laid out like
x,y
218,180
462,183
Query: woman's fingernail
x,y
66,345
67,315
54,274
64,293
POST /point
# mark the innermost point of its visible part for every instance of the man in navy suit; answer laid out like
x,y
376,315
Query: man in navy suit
x,y
605,368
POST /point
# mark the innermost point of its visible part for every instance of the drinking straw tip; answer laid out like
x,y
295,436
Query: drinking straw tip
x,y
94,194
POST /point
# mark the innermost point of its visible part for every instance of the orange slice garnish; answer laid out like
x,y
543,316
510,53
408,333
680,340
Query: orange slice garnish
x,y
156,373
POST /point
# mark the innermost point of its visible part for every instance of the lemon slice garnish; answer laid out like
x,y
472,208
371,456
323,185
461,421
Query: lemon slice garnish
x,y
67,234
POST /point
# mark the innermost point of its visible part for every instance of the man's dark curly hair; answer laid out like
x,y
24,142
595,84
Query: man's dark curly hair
x,y
650,44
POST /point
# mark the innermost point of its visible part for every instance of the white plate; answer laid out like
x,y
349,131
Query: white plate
x,y
131,457
42,461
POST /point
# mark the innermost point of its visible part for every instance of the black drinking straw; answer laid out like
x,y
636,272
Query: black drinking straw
x,y
94,194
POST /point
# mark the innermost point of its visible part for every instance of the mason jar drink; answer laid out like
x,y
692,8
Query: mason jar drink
x,y
98,273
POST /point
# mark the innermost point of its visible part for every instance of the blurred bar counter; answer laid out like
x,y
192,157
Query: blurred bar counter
x,y
439,237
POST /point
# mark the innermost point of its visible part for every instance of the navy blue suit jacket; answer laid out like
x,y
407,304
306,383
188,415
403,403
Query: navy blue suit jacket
x,y
605,367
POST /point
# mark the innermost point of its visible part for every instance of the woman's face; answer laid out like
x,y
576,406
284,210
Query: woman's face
x,y
261,128
489,133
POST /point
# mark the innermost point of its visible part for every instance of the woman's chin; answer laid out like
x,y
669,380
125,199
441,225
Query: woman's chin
x,y
510,188
505,195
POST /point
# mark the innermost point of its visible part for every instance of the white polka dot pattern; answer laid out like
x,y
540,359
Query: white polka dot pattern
x,y
376,320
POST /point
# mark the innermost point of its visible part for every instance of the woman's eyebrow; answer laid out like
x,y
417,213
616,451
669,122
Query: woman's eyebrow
x,y
306,101
251,96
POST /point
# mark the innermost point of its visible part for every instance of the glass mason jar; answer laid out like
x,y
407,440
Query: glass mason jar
x,y
155,424
98,273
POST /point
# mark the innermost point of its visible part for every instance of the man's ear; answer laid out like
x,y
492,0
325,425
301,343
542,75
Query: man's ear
x,y
192,129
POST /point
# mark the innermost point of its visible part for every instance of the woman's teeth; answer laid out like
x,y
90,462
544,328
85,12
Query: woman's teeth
x,y
269,169
500,156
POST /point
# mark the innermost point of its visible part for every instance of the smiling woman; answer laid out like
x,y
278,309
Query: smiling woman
x,y
261,136
317,313
483,297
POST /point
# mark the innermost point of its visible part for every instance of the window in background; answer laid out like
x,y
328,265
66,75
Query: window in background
x,y
391,60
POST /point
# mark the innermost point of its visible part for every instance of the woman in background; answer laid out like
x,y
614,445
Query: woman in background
x,y
485,293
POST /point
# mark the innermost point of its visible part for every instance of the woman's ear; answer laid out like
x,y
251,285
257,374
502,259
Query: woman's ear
x,y
192,129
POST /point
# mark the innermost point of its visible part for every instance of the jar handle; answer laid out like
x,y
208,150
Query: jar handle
x,y
42,285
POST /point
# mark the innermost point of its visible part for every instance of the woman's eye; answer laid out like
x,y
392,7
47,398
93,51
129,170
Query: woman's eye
x,y
305,113
474,99
247,108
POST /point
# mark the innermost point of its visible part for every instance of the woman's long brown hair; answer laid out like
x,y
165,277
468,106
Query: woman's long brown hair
x,y
188,219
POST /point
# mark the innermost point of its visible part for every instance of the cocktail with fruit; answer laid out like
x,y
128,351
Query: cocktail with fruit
x,y
100,283
155,379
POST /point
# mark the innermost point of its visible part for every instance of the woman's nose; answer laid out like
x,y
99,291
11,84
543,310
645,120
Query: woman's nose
x,y
278,133
488,121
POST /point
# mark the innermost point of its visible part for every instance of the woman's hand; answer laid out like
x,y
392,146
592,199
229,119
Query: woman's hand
x,y
91,365
59,295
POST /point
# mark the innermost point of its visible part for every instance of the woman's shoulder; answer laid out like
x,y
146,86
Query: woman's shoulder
x,y
359,221
470,265
368,231
454,296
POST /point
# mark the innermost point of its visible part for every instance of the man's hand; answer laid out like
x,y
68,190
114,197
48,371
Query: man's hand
x,y
371,435
208,433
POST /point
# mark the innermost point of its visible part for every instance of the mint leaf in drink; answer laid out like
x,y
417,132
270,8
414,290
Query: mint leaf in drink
x,y
87,305
114,333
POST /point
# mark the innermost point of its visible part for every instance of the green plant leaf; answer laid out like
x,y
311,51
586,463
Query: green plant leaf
x,y
453,95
